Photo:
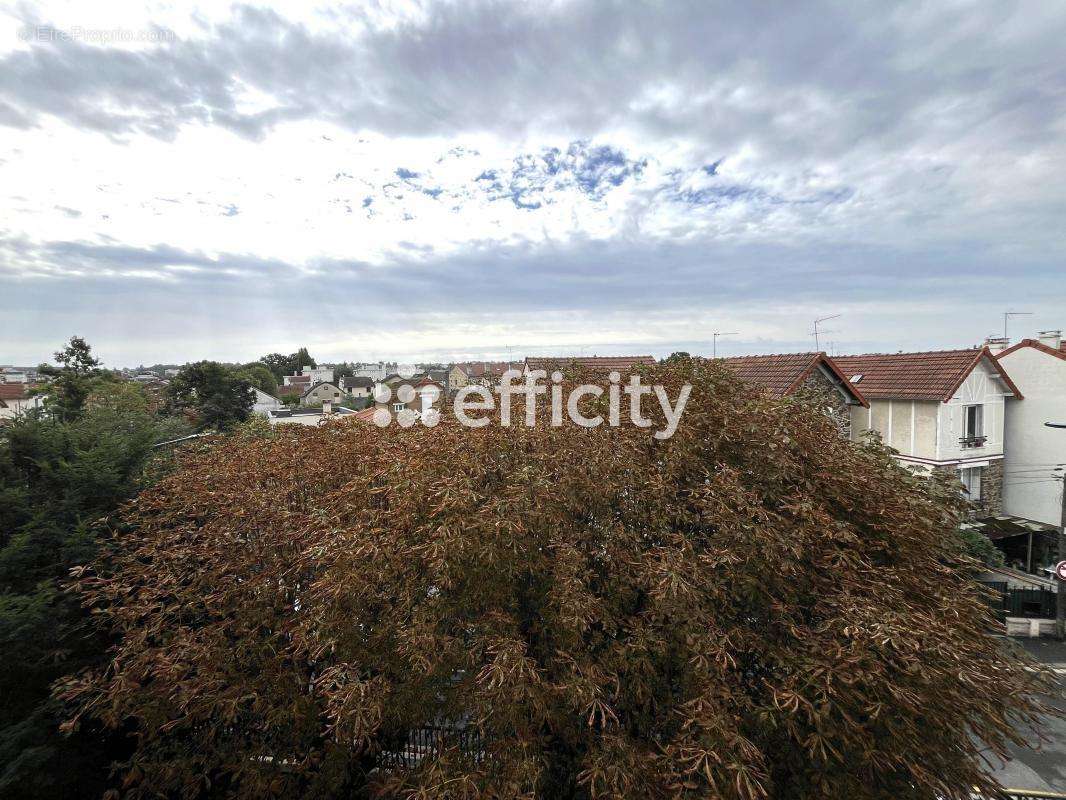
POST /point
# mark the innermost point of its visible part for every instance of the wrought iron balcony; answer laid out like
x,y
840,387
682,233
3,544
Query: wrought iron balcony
x,y
967,442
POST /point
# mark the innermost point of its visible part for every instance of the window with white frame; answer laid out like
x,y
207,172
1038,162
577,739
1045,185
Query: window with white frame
x,y
973,434
971,482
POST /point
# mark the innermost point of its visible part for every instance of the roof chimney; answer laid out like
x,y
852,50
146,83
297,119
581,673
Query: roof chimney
x,y
997,344
1052,339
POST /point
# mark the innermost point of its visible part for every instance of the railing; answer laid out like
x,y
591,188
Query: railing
x,y
972,441
430,741
1027,603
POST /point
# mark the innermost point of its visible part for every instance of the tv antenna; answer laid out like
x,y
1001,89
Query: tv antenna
x,y
815,332
1008,314
714,341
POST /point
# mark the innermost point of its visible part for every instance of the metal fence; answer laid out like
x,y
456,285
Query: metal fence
x,y
430,741
1029,603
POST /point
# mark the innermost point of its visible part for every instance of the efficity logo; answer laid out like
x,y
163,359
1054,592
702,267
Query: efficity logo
x,y
413,404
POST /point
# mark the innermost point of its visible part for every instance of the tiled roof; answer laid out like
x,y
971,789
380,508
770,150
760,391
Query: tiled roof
x,y
350,382
479,369
932,375
1038,345
293,388
596,363
783,373
13,391
299,378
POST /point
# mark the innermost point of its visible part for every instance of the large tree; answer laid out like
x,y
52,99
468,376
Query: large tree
x,y
58,477
73,380
281,365
752,608
217,395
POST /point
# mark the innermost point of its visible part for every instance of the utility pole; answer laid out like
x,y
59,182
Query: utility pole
x,y
817,346
1060,586
714,341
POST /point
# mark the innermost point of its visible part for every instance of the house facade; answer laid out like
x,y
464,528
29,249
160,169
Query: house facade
x,y
264,403
1038,368
15,400
321,393
941,410
358,386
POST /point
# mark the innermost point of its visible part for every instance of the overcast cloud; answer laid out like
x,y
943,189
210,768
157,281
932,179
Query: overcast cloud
x,y
459,180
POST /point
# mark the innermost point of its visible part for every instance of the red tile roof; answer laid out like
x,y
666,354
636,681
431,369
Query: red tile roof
x,y
783,373
366,415
934,375
479,369
1038,345
13,391
596,363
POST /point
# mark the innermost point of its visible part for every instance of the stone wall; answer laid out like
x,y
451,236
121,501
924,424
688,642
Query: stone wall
x,y
992,487
818,389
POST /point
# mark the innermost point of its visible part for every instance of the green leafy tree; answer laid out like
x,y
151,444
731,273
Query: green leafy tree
x,y
282,365
259,376
754,608
217,395
58,477
73,380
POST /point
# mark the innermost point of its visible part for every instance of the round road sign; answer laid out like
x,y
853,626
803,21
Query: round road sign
x,y
1060,570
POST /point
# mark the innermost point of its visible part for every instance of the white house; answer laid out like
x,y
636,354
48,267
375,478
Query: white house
x,y
318,374
376,372
1038,367
941,410
15,400
264,403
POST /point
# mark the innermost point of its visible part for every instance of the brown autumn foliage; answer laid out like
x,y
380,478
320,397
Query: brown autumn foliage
x,y
754,608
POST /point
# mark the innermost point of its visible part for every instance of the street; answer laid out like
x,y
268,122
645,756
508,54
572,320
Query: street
x,y
1045,767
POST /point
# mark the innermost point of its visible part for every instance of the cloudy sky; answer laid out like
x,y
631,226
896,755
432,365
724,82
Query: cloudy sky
x,y
480,179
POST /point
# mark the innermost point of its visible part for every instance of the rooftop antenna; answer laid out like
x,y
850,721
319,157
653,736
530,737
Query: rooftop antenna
x,y
1008,314
815,332
714,341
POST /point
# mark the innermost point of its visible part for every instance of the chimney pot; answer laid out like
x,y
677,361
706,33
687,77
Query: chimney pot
x,y
1052,339
997,344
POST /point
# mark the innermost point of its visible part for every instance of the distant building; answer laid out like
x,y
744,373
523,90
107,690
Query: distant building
x,y
321,393
321,374
357,386
14,375
624,365
15,399
376,372
264,403
483,373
